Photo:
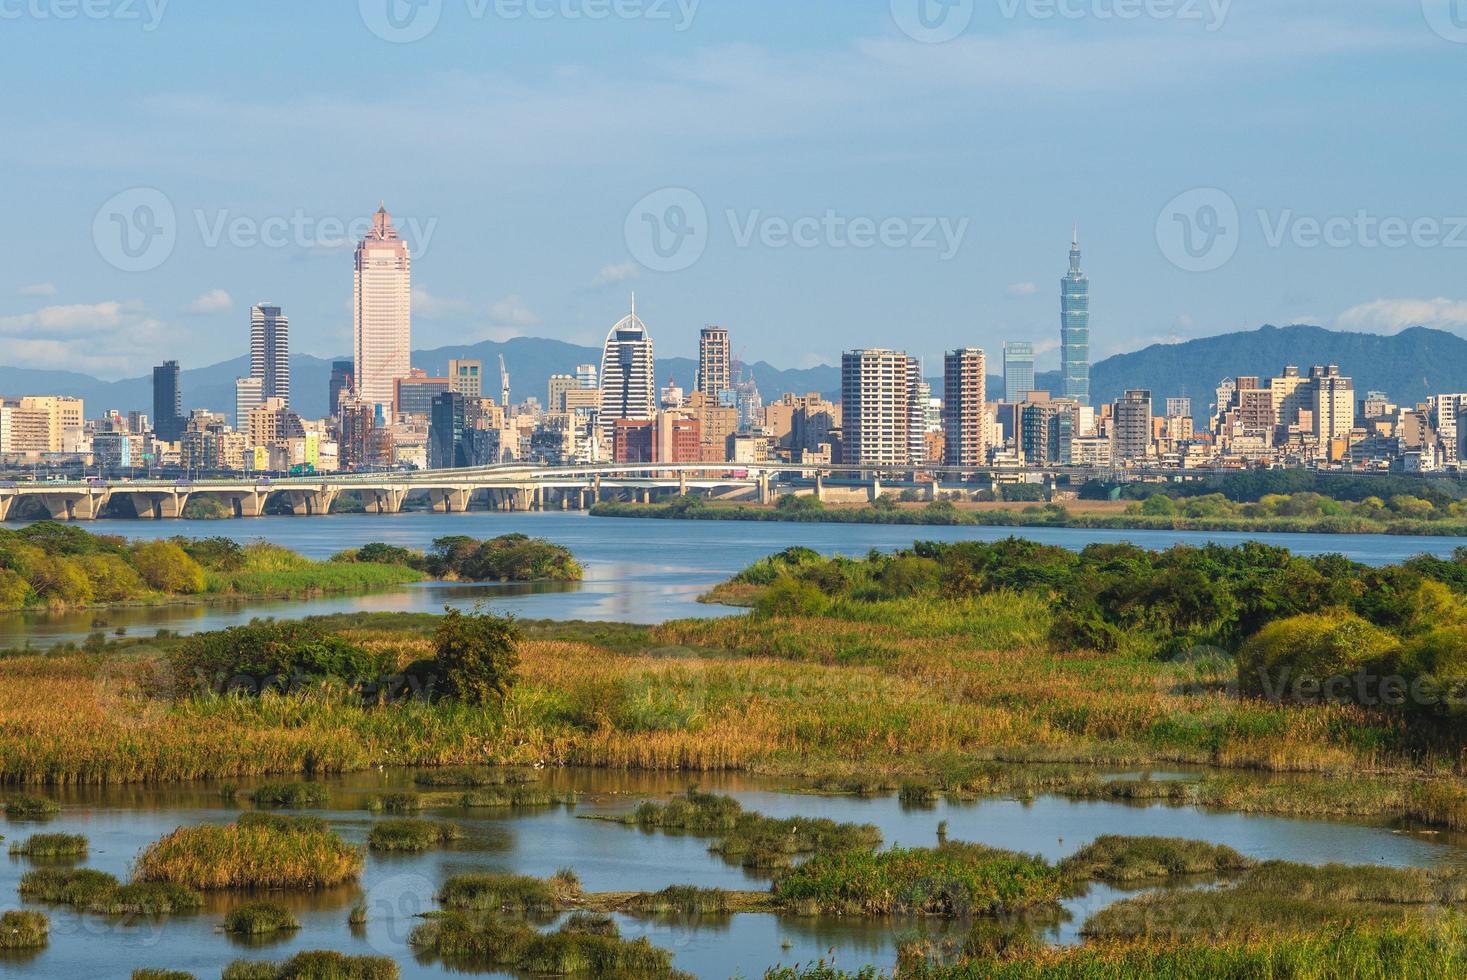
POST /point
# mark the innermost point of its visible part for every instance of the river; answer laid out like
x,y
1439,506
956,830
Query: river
x,y
637,571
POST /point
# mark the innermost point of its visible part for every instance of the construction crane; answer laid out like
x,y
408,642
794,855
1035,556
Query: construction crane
x,y
503,383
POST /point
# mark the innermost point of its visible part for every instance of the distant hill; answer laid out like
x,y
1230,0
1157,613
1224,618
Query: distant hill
x,y
1408,366
531,362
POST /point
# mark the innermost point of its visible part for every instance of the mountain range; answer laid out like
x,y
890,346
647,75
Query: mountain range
x,y
1408,366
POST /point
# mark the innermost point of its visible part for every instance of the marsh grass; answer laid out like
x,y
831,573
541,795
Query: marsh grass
x,y
285,823
752,840
396,803
211,857
515,796
315,965
682,900
292,795
492,892
591,924
464,777
100,892
259,919
485,941
148,973
21,929
954,879
411,835
1114,858
30,807
51,846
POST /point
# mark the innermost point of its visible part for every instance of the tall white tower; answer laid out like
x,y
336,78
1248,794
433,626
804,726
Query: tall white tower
x,y
628,385
383,314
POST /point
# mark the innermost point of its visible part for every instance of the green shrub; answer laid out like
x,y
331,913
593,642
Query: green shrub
x,y
168,568
790,596
270,653
260,918
1313,647
510,558
477,655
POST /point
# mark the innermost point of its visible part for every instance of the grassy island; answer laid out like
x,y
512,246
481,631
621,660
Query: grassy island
x,y
56,566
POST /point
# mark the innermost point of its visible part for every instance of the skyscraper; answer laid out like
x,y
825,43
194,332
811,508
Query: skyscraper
x,y
1075,328
382,311
878,398
168,420
714,362
1018,371
270,351
964,405
342,383
628,388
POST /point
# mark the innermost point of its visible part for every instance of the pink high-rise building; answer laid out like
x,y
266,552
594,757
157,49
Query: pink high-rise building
x,y
383,315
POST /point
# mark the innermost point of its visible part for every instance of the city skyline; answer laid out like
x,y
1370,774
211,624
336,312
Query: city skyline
x,y
532,240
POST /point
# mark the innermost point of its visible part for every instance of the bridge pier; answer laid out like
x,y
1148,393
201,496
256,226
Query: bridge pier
x,y
766,495
6,502
875,489
450,501
386,500
160,506
248,504
820,485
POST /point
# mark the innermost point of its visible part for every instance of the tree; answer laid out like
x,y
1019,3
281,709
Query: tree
x,y
166,567
477,655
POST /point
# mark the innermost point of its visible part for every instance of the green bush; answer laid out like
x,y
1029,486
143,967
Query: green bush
x,y
168,568
269,652
1313,647
510,558
790,596
477,655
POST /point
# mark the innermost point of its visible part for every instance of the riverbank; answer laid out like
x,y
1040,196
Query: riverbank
x,y
1084,515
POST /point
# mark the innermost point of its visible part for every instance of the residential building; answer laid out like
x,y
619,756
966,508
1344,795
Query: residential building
x,y
1132,427
559,385
413,395
965,407
1046,429
586,376
715,361
381,311
342,384
1333,403
717,423
1075,328
270,351
879,397
249,394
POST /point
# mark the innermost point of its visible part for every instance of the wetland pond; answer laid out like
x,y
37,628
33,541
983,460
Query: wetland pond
x,y
614,857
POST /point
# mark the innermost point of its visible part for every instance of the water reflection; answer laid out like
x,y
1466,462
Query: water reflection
x,y
397,889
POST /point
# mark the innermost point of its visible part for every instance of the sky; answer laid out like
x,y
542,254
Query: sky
x,y
814,175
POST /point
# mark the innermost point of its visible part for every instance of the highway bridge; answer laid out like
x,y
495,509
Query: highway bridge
x,y
523,488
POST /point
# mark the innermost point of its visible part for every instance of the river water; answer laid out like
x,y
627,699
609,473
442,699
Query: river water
x,y
637,571
613,857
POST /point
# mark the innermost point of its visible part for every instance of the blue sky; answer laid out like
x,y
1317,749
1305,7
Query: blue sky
x,y
845,182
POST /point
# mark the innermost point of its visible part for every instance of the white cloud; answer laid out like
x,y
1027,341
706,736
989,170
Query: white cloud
x,y
112,337
1019,289
214,301
512,312
431,307
41,289
611,274
1393,315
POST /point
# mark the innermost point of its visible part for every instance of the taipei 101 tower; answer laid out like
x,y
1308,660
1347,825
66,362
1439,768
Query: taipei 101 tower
x,y
1075,327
